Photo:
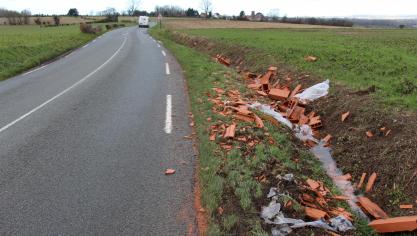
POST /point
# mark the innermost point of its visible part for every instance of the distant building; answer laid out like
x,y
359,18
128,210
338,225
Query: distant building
x,y
256,17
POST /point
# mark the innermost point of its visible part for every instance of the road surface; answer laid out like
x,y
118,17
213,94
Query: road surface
x,y
85,141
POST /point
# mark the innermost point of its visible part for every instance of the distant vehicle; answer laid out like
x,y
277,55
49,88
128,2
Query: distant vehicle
x,y
143,22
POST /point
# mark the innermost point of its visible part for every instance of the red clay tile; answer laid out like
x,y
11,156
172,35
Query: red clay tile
x,y
396,224
315,122
362,180
245,118
265,78
406,206
258,121
371,182
255,86
295,91
262,93
279,94
315,214
327,138
230,131
372,208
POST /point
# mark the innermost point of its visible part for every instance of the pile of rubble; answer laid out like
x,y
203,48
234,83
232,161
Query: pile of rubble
x,y
289,107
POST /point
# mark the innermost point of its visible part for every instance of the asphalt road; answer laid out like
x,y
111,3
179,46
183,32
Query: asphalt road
x,y
85,141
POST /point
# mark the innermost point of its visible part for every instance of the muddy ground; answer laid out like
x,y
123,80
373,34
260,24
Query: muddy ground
x,y
392,157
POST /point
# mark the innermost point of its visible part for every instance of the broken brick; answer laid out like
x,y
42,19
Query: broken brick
x,y
244,118
258,121
313,184
303,119
369,134
265,78
296,113
262,93
372,208
315,122
279,94
310,58
254,86
396,224
327,138
371,182
344,177
295,91
230,131
406,206
315,214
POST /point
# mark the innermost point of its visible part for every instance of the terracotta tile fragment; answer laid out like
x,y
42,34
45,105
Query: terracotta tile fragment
x,y
255,86
314,214
344,177
372,208
345,115
396,224
169,171
262,93
279,94
406,206
295,91
341,197
362,180
265,78
371,182
310,58
327,138
245,118
369,134
230,131
258,121
315,122
313,184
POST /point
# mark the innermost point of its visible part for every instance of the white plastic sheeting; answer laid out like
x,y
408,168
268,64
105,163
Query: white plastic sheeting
x,y
314,92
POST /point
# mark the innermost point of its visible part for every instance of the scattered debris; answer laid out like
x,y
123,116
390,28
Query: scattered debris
x,y
369,134
362,180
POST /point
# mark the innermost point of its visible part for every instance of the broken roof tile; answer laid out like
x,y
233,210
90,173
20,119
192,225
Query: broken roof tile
x,y
230,131
362,180
371,182
279,94
314,213
396,224
372,208
258,121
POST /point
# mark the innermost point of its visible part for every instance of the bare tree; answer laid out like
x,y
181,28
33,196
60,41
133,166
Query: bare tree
x,y
206,6
26,16
132,7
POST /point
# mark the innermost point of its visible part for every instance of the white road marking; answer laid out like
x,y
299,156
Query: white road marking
x,y
163,53
34,70
85,46
167,69
93,41
63,92
159,45
168,119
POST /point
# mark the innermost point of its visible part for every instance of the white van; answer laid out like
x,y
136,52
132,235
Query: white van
x,y
143,22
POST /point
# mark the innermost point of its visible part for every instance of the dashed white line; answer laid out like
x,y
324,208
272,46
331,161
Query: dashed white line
x,y
159,45
168,115
167,69
85,46
163,53
63,92
34,70
93,41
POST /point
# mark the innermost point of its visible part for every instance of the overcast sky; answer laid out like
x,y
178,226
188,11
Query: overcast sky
x,y
231,7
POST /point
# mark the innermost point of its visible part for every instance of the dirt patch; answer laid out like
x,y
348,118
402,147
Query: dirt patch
x,y
186,23
392,156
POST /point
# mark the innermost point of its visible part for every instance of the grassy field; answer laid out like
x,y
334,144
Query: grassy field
x,y
23,47
228,181
357,58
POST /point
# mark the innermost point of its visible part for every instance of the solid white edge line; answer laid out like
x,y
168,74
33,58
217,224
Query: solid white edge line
x,y
167,69
85,46
163,53
63,92
34,70
168,115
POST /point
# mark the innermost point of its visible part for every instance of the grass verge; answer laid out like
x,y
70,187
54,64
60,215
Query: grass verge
x,y
234,184
24,47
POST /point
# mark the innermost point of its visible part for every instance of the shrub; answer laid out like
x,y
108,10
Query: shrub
x,y
86,28
108,27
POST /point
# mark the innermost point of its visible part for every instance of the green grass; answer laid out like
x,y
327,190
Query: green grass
x,y
358,58
230,178
23,47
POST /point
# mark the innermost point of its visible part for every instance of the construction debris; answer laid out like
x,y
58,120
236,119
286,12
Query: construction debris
x,y
310,58
396,224
345,116
169,171
372,208
370,183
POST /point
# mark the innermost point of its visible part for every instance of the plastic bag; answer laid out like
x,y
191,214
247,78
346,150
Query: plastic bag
x,y
314,92
269,111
